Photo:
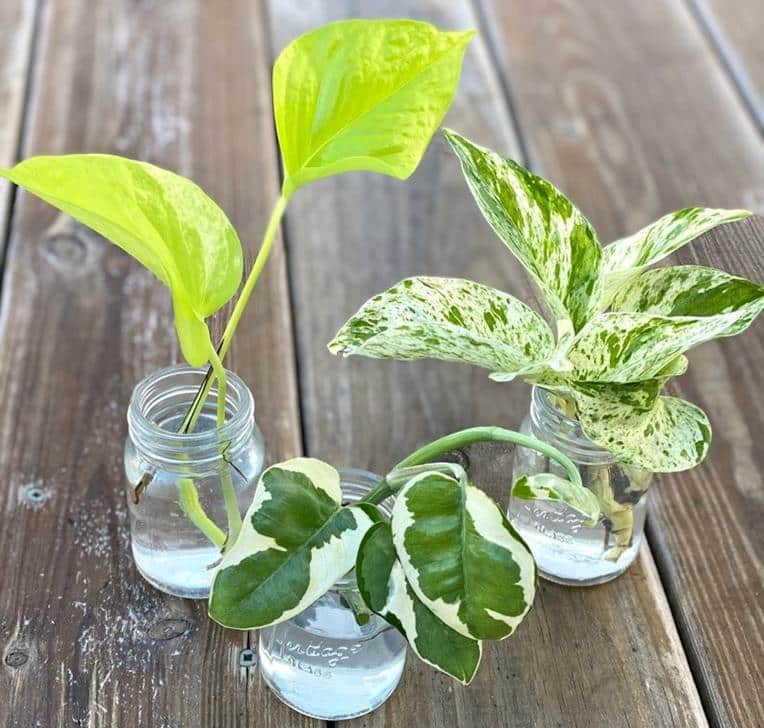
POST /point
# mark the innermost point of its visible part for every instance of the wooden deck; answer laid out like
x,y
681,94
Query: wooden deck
x,y
633,108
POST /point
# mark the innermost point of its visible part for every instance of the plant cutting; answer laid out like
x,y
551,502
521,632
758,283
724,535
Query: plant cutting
x,y
620,333
353,95
336,570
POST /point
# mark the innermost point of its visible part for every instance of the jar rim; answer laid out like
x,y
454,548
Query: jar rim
x,y
565,432
158,442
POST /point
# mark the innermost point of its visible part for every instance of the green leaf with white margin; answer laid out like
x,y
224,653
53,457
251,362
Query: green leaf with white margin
x,y
630,347
549,487
693,290
161,219
296,541
550,237
657,433
625,258
363,95
386,592
461,556
450,319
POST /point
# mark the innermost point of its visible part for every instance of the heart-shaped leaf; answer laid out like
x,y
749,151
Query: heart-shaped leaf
x,y
461,556
550,237
161,219
625,258
550,487
659,434
296,541
386,592
451,319
363,95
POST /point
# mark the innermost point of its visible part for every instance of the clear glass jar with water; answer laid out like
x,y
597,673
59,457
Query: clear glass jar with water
x,y
334,661
566,550
202,474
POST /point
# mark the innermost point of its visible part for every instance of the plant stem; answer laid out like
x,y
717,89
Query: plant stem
x,y
192,415
229,494
189,502
463,438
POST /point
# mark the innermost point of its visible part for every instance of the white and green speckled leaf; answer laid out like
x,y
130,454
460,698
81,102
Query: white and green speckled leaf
x,y
659,434
550,237
450,319
693,290
630,347
625,258
462,557
386,592
296,541
550,487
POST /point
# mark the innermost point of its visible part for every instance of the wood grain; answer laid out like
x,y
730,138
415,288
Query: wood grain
x,y
629,111
83,640
734,30
17,19
604,656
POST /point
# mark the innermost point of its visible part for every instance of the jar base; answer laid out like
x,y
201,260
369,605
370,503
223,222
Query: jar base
x,y
303,710
187,578
593,581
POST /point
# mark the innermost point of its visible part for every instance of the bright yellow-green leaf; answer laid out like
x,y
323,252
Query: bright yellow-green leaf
x,y
363,95
163,220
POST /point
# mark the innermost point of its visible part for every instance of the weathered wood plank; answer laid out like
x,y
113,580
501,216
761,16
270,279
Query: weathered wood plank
x,y
605,656
734,30
17,20
83,640
630,113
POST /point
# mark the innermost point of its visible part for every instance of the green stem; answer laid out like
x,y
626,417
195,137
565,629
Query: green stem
x,y
229,494
463,438
189,502
274,221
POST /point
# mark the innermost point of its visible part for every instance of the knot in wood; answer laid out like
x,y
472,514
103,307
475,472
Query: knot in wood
x,y
16,658
170,628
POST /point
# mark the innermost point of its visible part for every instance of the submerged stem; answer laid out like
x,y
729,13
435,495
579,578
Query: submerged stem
x,y
189,502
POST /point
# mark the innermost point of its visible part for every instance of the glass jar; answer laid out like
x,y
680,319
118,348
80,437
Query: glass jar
x,y
566,550
193,476
323,662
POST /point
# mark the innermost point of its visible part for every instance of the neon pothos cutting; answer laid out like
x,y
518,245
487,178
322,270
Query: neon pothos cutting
x,y
446,569
621,329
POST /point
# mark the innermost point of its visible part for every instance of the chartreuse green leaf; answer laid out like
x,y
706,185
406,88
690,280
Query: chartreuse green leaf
x,y
296,541
693,290
451,319
550,237
461,556
161,219
657,433
625,258
386,592
549,487
363,95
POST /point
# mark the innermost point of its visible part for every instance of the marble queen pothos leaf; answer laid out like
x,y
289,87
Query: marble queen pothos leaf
x,y
630,347
546,232
656,433
692,290
296,541
451,319
386,592
363,95
623,259
163,220
550,487
461,556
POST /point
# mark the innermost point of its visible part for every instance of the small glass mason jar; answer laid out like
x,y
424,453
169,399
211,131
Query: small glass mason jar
x,y
322,662
203,474
566,550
